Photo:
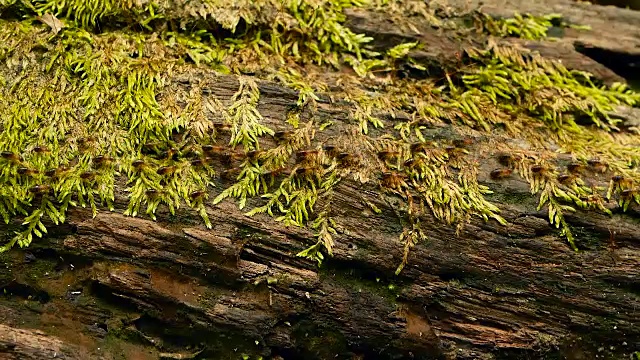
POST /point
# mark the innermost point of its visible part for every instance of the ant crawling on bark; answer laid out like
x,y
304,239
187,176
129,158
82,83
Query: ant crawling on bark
x,y
501,173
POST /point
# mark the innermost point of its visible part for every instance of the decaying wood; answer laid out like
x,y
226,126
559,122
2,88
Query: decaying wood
x,y
25,344
114,286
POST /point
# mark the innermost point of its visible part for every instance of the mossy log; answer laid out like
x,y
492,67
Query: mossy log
x,y
119,287
175,287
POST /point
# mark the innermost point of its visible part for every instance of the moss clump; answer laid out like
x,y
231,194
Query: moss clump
x,y
86,107
522,26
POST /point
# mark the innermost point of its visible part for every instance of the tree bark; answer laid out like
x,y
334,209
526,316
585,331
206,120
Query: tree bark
x,y
115,287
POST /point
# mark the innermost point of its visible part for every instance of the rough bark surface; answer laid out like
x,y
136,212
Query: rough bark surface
x,y
115,287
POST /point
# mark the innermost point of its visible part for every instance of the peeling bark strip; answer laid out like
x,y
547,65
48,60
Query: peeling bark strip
x,y
114,287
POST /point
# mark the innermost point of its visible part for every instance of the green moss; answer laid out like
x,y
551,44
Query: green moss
x,y
522,26
87,107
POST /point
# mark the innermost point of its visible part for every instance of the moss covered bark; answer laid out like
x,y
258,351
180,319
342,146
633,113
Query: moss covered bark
x,y
284,109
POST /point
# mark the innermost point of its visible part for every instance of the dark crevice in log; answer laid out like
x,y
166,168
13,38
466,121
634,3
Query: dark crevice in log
x,y
624,4
625,65
24,291
106,294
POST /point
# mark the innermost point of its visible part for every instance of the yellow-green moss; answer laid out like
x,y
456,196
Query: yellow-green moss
x,y
90,105
522,26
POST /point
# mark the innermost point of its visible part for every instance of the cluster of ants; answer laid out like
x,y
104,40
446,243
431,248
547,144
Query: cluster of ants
x,y
419,153
574,169
307,162
17,160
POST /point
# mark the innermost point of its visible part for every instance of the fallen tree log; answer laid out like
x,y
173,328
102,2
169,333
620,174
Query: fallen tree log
x,y
115,286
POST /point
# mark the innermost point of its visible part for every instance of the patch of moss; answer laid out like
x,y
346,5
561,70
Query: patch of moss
x,y
522,26
85,108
